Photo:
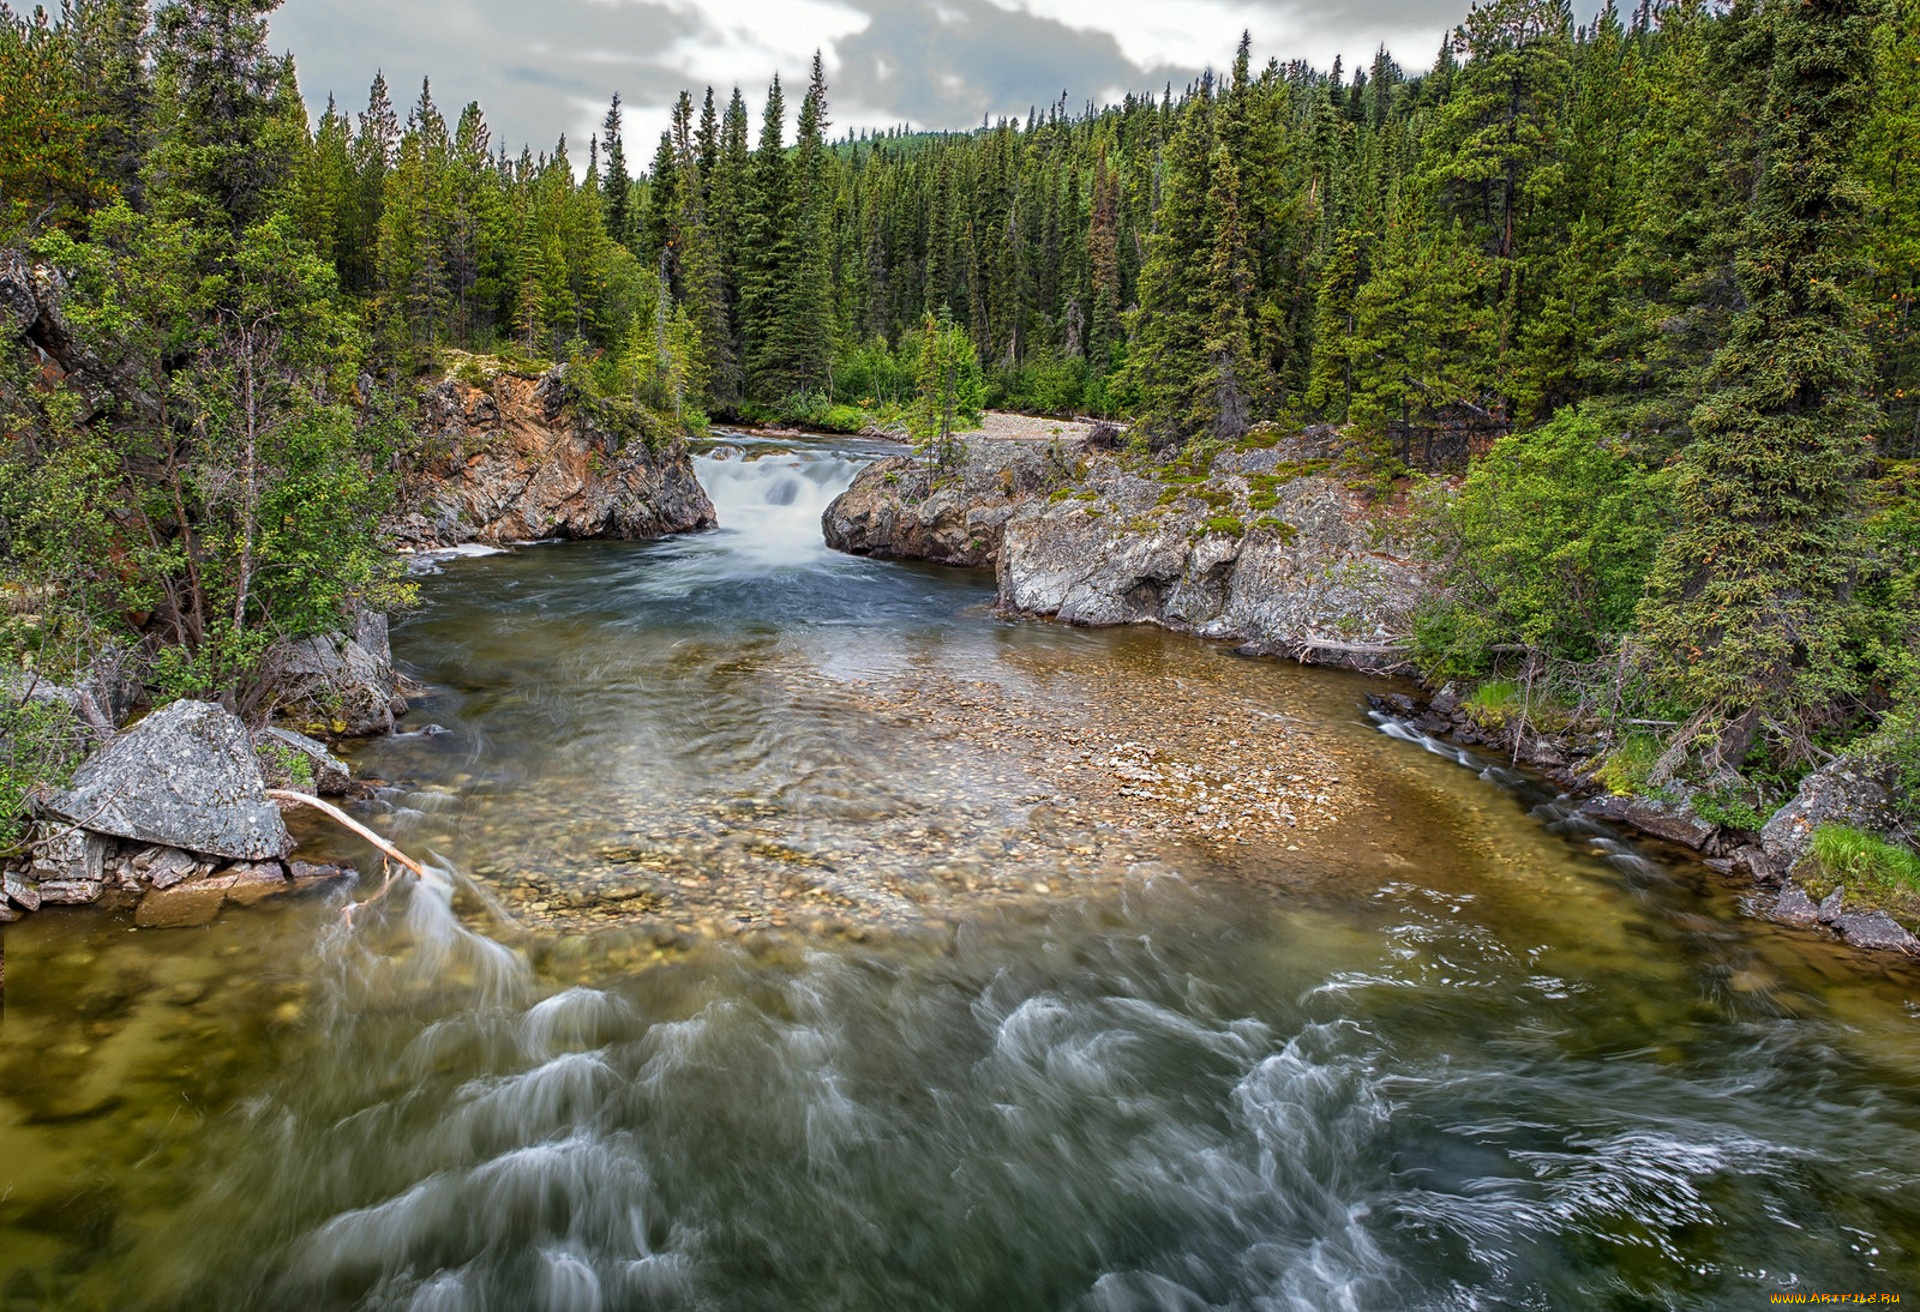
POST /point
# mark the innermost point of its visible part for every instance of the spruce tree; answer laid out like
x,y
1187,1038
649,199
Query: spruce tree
x,y
768,234
1171,328
616,183
217,161
1746,604
110,47
805,349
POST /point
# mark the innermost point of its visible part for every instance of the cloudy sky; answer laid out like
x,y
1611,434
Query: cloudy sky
x,y
543,67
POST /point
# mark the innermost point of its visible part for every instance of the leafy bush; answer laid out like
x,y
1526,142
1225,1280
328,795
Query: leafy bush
x,y
1547,546
870,374
1044,384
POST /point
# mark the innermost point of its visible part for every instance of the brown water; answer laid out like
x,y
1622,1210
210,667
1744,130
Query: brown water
x,y
824,941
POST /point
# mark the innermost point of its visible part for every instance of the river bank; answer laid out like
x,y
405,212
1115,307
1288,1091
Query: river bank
x,y
1266,546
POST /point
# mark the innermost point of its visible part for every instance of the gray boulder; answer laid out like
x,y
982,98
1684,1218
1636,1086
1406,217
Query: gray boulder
x,y
184,777
896,509
1847,792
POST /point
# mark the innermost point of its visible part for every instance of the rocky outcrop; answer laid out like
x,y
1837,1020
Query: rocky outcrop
x,y
1261,548
172,813
31,296
183,777
343,684
897,509
524,458
1309,573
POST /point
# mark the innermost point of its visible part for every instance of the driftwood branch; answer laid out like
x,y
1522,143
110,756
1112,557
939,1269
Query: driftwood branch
x,y
1362,648
335,813
386,849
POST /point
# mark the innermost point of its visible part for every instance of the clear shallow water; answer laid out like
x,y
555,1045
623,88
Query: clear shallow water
x,y
1459,1055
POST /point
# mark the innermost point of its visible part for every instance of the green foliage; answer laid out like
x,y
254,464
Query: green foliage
x,y
870,374
1547,545
1728,809
45,130
1849,855
1746,609
295,765
1628,768
40,744
1493,700
948,392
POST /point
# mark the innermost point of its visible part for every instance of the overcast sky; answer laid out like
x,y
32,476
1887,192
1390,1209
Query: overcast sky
x,y
543,67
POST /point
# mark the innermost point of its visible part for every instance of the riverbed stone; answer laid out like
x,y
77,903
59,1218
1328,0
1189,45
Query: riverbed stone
x,y
1794,907
184,906
1673,821
1831,906
185,777
162,866
255,882
1876,929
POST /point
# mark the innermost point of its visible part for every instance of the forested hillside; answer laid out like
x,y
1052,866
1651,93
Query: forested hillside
x,y
1665,266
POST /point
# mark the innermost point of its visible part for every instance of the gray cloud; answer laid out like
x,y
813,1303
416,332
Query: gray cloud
x,y
945,63
529,66
540,69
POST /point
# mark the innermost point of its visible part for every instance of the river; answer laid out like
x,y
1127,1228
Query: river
x,y
818,939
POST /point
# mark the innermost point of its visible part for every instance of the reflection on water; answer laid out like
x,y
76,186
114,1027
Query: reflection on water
x,y
1476,1056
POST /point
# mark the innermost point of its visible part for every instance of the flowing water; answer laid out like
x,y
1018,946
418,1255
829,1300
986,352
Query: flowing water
x,y
768,979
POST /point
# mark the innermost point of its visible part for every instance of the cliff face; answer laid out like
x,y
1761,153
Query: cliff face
x,y
524,459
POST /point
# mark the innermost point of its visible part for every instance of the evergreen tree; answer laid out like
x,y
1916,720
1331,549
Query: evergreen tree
x,y
110,53
1171,329
1746,604
617,184
768,239
220,153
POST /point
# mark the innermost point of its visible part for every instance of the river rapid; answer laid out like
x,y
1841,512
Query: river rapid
x,y
816,938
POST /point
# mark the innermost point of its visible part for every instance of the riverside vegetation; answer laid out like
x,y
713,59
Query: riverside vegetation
x,y
1658,271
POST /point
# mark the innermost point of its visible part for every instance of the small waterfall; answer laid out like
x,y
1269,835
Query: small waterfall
x,y
769,506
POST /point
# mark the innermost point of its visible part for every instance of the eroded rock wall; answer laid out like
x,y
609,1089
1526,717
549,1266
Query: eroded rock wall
x,y
524,459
